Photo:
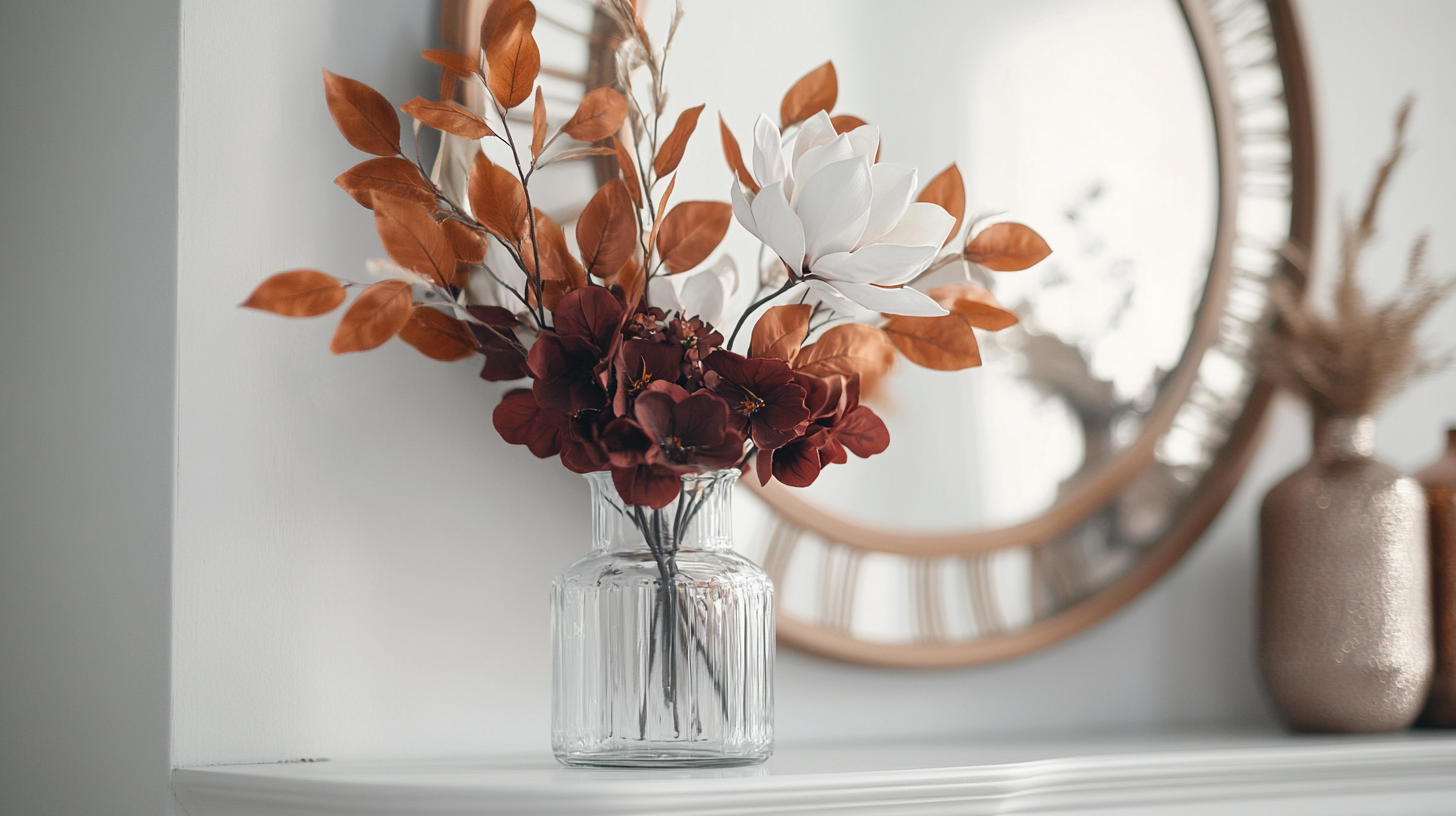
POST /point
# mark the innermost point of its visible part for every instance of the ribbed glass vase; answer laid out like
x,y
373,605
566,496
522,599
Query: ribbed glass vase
x,y
663,637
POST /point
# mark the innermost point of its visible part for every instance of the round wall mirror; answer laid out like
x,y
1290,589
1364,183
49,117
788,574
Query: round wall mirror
x,y
1164,150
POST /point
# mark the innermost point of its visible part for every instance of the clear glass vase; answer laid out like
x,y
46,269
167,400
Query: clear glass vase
x,y
663,637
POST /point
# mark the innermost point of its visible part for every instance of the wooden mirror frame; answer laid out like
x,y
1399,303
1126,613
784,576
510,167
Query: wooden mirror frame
x,y
1226,35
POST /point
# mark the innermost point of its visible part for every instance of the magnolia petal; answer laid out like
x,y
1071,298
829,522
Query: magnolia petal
x,y
814,160
743,209
885,264
768,152
705,292
779,226
663,295
834,206
901,301
894,187
922,224
829,295
865,140
816,131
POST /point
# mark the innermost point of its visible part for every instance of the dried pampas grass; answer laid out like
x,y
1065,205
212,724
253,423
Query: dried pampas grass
x,y
1351,362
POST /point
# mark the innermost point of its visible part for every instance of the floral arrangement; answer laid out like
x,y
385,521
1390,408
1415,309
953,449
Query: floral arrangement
x,y
627,373
1349,363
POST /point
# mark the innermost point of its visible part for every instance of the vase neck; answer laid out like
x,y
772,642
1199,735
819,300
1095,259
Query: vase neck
x,y
700,518
1343,438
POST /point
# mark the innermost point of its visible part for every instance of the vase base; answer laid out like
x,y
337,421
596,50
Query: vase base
x,y
648,758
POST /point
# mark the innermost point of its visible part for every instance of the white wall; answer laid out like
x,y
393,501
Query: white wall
x,y
358,563
361,564
88,241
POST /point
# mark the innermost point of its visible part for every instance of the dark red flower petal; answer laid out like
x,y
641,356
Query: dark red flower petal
x,y
647,485
797,464
591,313
862,431
700,420
520,420
654,411
626,443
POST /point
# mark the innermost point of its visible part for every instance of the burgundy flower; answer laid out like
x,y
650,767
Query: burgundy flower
x,y
768,404
671,433
696,338
520,420
641,363
503,359
564,366
837,423
582,450
593,314
691,430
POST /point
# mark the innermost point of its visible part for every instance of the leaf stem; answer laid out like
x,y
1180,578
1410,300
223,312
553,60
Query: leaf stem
x,y
789,284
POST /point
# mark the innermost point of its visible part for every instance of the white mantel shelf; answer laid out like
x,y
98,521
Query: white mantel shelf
x,y
1180,774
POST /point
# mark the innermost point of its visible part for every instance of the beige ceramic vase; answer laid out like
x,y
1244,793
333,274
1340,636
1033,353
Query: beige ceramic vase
x,y
1439,480
1344,588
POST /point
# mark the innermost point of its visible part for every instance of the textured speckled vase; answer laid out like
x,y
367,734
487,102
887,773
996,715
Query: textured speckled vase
x,y
1439,480
1344,588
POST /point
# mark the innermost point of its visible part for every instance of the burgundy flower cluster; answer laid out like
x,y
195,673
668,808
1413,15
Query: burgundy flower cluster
x,y
652,397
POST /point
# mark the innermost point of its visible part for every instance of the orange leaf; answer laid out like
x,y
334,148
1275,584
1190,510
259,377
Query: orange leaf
x,y
844,123
975,304
436,335
362,114
459,64
300,293
947,343
734,155
538,125
846,350
469,250
816,91
606,231
629,172
780,332
633,280
670,154
691,232
413,239
395,176
1007,247
465,241
377,315
661,208
599,115
447,116
944,343
560,271
511,52
498,200
948,191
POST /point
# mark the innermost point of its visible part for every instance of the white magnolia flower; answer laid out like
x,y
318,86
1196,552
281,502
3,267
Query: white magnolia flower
x,y
702,293
845,225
